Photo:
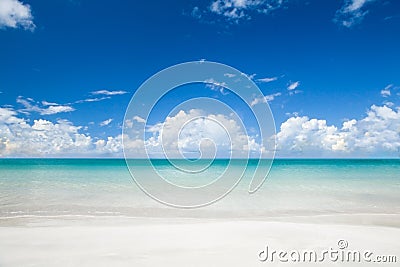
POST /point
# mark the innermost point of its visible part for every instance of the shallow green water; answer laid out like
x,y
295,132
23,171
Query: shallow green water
x,y
98,187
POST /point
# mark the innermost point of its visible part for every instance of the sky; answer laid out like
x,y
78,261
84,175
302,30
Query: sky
x,y
329,71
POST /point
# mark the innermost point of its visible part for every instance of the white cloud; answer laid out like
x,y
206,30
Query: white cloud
x,y
196,13
293,85
216,86
96,99
236,10
229,75
130,123
15,14
264,99
249,76
267,79
50,109
389,104
56,109
45,103
8,116
191,131
106,92
139,119
106,122
386,91
42,138
377,134
352,12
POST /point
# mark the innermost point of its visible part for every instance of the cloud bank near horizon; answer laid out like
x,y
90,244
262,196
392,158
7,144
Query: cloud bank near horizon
x,y
377,134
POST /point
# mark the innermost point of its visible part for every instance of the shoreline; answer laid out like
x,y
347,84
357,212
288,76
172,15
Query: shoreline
x,y
356,219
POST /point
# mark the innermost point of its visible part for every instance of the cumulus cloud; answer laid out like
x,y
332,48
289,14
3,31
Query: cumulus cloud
x,y
194,131
129,123
139,119
352,12
15,14
42,138
377,134
8,116
48,109
106,92
293,85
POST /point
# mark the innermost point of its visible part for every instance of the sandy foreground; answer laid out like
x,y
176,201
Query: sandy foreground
x,y
112,241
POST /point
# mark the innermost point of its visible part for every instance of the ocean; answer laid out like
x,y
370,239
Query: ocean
x,y
82,188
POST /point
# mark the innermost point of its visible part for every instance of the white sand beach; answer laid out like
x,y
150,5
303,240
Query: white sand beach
x,y
118,241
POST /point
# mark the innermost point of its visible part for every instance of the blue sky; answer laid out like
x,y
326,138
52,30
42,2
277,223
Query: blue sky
x,y
77,63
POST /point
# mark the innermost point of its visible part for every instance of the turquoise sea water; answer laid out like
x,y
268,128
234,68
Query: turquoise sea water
x,y
104,187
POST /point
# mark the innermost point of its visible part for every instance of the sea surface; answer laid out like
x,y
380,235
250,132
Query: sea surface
x,y
81,188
